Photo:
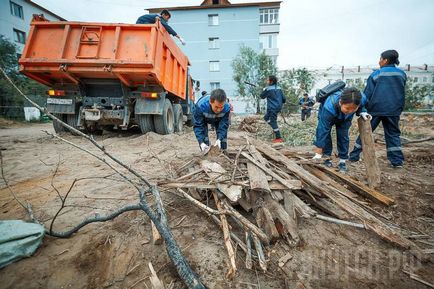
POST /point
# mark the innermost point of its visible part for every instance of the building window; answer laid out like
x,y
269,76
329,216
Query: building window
x,y
416,79
213,19
16,10
433,79
19,36
214,66
358,80
214,43
269,16
425,79
215,2
267,41
215,85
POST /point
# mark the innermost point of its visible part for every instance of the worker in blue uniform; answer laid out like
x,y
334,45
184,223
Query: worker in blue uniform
x,y
385,91
212,109
306,103
275,100
338,110
164,19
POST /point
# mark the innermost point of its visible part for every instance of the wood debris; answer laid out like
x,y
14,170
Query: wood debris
x,y
260,195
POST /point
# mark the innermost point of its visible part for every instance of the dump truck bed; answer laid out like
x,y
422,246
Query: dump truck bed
x,y
136,54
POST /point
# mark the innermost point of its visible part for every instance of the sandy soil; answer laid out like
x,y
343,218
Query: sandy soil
x,y
115,254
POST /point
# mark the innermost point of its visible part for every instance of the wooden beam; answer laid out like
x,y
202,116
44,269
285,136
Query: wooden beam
x,y
258,179
359,187
288,221
265,221
372,169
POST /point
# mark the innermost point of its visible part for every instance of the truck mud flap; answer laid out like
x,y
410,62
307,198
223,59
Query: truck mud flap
x,y
150,105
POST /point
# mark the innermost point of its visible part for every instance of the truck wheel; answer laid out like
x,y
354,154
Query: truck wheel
x,y
179,121
146,122
164,124
58,128
72,120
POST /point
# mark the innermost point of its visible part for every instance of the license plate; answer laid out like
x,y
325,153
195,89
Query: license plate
x,y
59,101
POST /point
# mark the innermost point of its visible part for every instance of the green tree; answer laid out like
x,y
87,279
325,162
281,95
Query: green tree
x,y
415,93
358,83
250,72
10,100
294,83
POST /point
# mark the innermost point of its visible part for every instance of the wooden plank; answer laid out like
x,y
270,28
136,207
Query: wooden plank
x,y
200,186
232,192
322,176
359,187
258,179
265,221
284,182
245,205
214,170
275,185
372,169
299,206
289,223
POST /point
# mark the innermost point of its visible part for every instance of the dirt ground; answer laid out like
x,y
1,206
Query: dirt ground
x,y
115,254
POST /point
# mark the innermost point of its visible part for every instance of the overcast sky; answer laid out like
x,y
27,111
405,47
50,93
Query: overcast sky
x,y
313,33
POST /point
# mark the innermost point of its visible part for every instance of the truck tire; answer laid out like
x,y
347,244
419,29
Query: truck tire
x,y
164,124
178,115
72,120
146,123
58,128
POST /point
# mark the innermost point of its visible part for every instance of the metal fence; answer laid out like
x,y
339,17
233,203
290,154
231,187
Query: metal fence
x,y
14,111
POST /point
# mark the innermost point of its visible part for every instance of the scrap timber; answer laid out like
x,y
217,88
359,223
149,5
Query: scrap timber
x,y
260,194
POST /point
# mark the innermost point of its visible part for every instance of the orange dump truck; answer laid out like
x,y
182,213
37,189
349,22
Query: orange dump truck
x,y
110,75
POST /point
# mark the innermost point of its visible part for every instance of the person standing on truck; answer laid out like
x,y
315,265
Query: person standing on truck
x,y
164,19
306,104
337,110
212,109
385,90
275,101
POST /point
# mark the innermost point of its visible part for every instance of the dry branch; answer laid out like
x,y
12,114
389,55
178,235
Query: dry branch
x,y
227,239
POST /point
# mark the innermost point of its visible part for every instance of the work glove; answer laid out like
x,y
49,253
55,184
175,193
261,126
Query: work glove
x,y
204,147
218,144
317,157
365,116
182,40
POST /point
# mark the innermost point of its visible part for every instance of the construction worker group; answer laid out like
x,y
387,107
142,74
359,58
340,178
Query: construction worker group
x,y
382,101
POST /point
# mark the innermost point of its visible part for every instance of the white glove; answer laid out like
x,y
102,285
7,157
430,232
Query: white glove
x,y
182,40
365,116
204,147
218,144
317,157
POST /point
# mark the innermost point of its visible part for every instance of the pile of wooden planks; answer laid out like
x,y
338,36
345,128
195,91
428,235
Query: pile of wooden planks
x,y
260,192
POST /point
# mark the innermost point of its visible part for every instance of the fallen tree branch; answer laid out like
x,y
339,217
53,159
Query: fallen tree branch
x,y
182,266
227,239
95,219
